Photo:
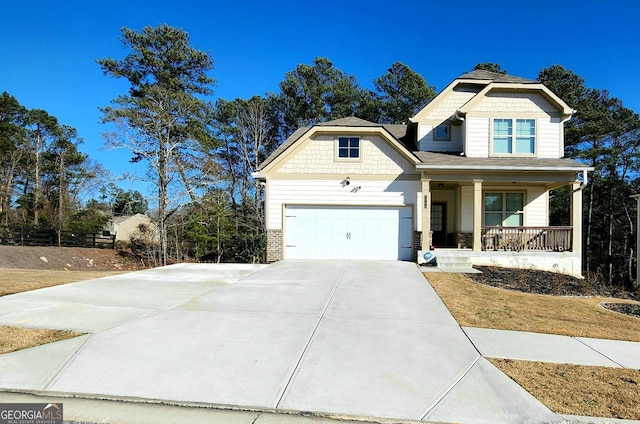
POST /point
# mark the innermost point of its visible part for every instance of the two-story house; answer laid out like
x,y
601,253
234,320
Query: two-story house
x,y
470,175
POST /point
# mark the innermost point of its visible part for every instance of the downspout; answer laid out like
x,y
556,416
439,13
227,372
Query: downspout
x,y
585,180
458,116
581,188
565,117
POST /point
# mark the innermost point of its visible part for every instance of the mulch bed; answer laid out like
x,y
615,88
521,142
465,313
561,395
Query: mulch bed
x,y
551,283
624,308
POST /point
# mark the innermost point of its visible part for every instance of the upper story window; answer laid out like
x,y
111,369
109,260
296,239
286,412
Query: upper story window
x,y
521,141
348,148
442,132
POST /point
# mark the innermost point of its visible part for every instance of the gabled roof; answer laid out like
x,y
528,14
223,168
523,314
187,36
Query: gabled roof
x,y
400,131
560,104
349,121
397,131
488,81
483,75
122,218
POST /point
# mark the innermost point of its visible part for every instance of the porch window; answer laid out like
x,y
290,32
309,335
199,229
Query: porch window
x,y
504,209
524,142
348,147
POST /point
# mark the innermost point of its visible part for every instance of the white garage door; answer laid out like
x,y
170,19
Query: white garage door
x,y
333,232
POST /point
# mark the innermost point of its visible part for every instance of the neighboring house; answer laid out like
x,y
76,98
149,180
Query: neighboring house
x,y
470,175
124,226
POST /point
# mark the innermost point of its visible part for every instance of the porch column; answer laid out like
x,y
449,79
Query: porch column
x,y
576,217
426,215
477,215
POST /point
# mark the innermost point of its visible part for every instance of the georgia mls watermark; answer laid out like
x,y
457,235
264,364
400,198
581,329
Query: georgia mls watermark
x,y
31,413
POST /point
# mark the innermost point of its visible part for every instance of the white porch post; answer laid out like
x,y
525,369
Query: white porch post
x,y
576,217
426,214
477,215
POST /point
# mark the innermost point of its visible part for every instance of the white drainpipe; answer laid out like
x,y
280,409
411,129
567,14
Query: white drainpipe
x,y
585,179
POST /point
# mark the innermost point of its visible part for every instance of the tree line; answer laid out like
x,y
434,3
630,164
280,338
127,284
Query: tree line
x,y
199,154
44,176
42,170
605,135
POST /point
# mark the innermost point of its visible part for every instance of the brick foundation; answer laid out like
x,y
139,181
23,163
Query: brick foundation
x,y
417,243
464,240
274,245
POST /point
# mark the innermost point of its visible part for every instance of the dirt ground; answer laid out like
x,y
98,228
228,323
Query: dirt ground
x,y
66,259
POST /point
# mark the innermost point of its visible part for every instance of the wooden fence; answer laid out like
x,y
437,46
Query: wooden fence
x,y
15,235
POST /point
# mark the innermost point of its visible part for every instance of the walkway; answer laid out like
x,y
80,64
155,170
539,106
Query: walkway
x,y
552,348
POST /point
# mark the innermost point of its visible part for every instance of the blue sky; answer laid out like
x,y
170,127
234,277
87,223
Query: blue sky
x,y
49,48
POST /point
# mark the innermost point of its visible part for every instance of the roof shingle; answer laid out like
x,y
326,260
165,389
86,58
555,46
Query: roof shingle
x,y
480,74
350,121
451,161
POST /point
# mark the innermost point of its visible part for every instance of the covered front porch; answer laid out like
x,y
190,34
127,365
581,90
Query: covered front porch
x,y
501,218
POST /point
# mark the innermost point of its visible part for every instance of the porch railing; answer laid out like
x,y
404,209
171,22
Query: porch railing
x,y
556,239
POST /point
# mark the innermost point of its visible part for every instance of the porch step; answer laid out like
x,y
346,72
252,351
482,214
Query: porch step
x,y
455,263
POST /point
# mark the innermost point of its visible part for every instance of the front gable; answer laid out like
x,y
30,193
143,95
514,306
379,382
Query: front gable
x,y
510,97
320,151
468,117
512,102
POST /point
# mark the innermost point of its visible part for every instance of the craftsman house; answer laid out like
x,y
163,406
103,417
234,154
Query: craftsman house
x,y
470,176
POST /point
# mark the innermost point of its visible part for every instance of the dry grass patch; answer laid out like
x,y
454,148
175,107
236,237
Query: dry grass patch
x,y
578,390
21,280
17,338
477,305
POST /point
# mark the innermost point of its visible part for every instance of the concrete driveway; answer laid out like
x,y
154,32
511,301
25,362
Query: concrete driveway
x,y
354,338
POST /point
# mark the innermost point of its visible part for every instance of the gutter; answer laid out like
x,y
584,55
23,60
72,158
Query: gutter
x,y
500,168
260,176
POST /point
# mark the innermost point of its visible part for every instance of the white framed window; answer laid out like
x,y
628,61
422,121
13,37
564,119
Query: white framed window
x,y
442,132
348,148
504,209
508,140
